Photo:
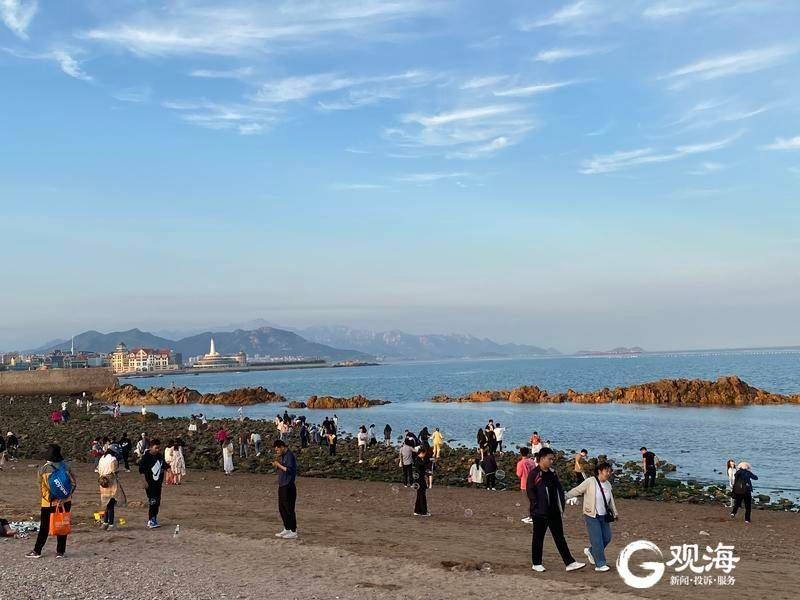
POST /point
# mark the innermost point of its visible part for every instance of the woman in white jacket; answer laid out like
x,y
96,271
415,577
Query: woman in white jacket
x,y
599,511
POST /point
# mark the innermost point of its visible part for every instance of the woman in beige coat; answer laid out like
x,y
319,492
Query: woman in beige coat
x,y
111,492
599,511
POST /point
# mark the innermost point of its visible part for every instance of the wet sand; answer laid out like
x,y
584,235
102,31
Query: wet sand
x,y
359,540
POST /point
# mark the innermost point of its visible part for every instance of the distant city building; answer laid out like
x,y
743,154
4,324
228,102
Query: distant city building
x,y
214,360
143,359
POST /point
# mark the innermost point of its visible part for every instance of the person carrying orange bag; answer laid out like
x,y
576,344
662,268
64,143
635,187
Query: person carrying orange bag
x,y
57,484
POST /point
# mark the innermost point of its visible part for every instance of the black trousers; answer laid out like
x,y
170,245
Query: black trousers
x,y
540,527
153,492
491,481
126,459
737,504
421,504
650,476
108,517
44,531
331,449
287,498
408,474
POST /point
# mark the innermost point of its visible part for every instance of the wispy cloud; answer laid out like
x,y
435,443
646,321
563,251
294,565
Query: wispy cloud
x,y
240,73
245,119
18,14
64,58
784,144
356,151
250,28
729,65
618,161
482,82
431,177
675,8
602,131
532,90
568,15
711,113
558,54
134,94
467,114
705,168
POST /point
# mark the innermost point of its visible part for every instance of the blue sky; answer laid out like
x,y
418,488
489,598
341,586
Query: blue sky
x,y
576,174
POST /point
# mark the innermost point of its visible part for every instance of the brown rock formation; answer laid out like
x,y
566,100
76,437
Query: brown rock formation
x,y
330,402
129,395
725,391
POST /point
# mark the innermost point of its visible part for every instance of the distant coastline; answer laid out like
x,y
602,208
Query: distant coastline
x,y
261,367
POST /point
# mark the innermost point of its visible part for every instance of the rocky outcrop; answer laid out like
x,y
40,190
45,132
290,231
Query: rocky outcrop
x,y
331,402
725,391
129,395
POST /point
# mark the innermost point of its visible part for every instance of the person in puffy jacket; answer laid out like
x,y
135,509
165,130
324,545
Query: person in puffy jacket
x,y
54,462
743,490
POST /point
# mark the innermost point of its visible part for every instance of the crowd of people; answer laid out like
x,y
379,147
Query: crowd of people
x,y
418,454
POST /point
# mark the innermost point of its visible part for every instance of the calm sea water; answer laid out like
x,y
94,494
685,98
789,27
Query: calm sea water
x,y
698,440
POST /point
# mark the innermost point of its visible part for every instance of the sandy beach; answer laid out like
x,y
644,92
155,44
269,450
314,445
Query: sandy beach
x,y
359,540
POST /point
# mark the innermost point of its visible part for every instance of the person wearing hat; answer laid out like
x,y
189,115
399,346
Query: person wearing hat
x,y
55,462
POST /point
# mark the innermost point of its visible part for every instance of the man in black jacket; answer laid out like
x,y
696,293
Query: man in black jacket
x,y
153,467
547,504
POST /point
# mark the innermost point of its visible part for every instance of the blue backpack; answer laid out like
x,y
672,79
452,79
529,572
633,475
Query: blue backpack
x,y
59,483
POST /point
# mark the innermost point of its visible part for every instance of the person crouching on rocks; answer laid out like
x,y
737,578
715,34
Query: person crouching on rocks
x,y
546,507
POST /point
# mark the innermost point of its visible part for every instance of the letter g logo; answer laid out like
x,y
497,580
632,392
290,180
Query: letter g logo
x,y
656,568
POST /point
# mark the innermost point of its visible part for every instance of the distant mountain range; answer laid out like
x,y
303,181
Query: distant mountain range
x,y
331,343
613,352
398,345
263,341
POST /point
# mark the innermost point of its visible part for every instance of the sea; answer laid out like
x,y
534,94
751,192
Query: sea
x,y
698,440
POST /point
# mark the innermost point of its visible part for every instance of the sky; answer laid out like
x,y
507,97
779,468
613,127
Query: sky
x,y
576,174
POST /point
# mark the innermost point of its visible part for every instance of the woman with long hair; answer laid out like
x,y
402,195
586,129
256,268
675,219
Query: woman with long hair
x,y
730,471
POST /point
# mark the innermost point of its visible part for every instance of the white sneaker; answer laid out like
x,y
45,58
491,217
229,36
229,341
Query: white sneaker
x,y
290,535
575,565
603,568
527,521
589,556
538,568
282,533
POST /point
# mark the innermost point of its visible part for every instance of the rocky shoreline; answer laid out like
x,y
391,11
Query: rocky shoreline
x,y
130,395
333,403
725,391
29,419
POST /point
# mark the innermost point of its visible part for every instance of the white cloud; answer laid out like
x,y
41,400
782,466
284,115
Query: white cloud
x,y
728,65
533,90
242,118
558,54
301,87
482,82
356,151
784,144
240,73
568,15
18,14
481,150
468,114
708,167
674,8
240,27
602,131
134,94
65,60
431,177
618,161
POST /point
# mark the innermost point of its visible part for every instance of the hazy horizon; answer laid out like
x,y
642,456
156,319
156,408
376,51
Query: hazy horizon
x,y
579,174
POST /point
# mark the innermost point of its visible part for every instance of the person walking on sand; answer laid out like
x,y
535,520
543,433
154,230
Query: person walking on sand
x,y
525,465
153,468
111,492
57,484
547,503
438,442
255,439
227,457
499,432
649,467
599,511
407,463
743,490
286,466
580,463
489,465
178,464
730,471
422,469
362,443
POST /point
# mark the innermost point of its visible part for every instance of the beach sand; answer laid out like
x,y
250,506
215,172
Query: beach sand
x,y
359,540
